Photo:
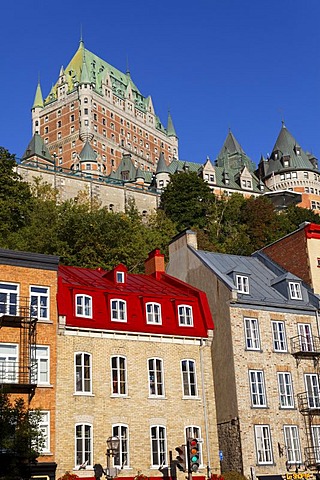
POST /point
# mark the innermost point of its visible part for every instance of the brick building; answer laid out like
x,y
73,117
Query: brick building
x,y
265,359
28,324
134,362
299,253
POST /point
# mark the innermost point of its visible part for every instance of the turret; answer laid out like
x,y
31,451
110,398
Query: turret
x,y
162,173
171,133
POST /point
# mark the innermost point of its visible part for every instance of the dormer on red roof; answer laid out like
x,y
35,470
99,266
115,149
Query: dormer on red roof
x,y
119,301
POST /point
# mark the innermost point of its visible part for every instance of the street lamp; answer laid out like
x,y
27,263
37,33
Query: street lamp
x,y
113,444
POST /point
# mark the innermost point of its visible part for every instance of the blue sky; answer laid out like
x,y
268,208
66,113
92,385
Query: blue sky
x,y
216,64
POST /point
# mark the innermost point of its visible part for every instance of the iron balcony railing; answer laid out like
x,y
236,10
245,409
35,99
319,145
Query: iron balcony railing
x,y
312,456
11,372
309,404
305,346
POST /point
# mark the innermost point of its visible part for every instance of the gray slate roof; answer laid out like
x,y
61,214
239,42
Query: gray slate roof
x,y
264,276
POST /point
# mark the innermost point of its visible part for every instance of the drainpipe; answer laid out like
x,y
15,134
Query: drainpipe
x,y
205,412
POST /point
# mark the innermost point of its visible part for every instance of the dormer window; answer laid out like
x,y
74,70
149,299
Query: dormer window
x,y
242,283
295,290
84,306
185,315
120,277
118,310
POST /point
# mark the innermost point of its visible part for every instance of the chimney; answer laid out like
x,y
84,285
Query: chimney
x,y
154,263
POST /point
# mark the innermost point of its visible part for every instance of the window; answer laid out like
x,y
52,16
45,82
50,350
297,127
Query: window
x,y
158,446
285,390
42,355
8,363
263,444
257,388
155,371
120,277
118,311
84,306
83,372
252,333
316,441
189,384
313,392
195,432
119,375
185,315
83,445
39,299
44,425
279,336
292,443
305,337
121,459
153,313
8,298
242,283
295,291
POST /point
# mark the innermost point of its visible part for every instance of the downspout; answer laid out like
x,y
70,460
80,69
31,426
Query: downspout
x,y
205,411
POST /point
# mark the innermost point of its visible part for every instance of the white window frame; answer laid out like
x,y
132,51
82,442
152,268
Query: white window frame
x,y
263,444
252,334
9,298
194,431
185,315
242,283
155,377
279,336
295,290
122,458
292,443
158,440
84,307
85,442
83,373
286,398
257,389
189,378
118,309
119,372
40,302
313,390
315,429
43,363
9,362
120,277
305,337
153,313
44,426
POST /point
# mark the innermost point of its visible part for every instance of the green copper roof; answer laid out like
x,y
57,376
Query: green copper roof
x,y
38,99
170,128
233,156
162,167
287,154
87,154
37,148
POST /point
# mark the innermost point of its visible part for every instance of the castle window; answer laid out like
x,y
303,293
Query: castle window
x,y
294,175
72,106
112,162
60,150
46,118
46,140
74,154
86,111
103,146
72,118
72,129
46,129
313,205
104,133
59,135
94,105
95,128
88,166
86,123
288,175
59,113
85,100
103,121
95,117
111,207
103,158
73,144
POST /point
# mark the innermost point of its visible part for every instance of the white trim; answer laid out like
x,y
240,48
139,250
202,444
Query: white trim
x,y
83,296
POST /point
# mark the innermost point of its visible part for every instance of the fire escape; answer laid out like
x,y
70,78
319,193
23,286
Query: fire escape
x,y
18,370
308,348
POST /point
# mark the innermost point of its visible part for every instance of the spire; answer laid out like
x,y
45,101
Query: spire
x,y
170,128
84,78
87,154
38,99
37,148
128,69
162,166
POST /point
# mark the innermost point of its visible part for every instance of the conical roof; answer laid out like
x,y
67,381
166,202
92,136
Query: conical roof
x,y
233,155
171,132
162,167
87,154
38,99
37,148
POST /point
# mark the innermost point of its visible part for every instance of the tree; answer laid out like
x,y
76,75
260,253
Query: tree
x,y
21,439
187,200
15,197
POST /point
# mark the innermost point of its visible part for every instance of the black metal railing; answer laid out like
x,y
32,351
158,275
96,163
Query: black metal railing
x,y
309,404
305,346
12,372
312,456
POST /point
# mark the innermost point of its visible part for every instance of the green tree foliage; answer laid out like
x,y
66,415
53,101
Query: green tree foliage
x,y
15,197
187,200
20,438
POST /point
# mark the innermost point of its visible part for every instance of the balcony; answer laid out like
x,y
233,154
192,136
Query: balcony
x,y
308,404
312,457
17,378
305,347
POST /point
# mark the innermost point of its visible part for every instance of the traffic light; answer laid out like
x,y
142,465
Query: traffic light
x,y
181,458
193,455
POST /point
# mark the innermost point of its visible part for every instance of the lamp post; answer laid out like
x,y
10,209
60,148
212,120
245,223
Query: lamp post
x,y
113,444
